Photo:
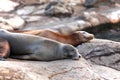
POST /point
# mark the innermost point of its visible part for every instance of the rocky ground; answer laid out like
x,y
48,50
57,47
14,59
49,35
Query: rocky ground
x,y
101,59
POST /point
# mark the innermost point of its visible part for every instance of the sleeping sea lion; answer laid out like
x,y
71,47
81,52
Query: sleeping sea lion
x,y
25,46
74,39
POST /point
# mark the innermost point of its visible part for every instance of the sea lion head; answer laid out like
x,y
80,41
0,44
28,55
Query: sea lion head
x,y
71,52
86,35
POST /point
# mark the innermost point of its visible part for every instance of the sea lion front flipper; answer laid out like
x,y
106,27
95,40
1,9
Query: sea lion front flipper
x,y
21,57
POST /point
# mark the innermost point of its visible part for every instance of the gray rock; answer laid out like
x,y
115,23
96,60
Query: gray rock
x,y
72,2
31,18
59,9
7,5
26,10
91,3
32,2
15,21
39,12
106,73
54,70
102,52
5,26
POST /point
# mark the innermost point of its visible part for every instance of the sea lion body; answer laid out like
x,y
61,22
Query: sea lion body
x,y
74,39
25,46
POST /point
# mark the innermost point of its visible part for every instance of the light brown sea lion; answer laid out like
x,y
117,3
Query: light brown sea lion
x,y
4,49
74,39
25,46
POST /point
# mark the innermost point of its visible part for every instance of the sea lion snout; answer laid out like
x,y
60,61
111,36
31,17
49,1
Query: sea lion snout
x,y
76,55
87,35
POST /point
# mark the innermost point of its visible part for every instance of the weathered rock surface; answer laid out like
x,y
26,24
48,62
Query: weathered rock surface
x,y
30,2
26,10
110,31
55,70
6,26
90,3
12,20
59,9
85,20
103,52
7,5
106,73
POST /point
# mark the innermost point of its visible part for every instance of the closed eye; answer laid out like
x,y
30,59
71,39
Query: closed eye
x,y
83,32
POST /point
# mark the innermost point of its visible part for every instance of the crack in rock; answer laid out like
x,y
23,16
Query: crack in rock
x,y
63,72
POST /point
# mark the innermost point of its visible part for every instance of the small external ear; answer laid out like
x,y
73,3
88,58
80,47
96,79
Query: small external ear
x,y
67,47
65,51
